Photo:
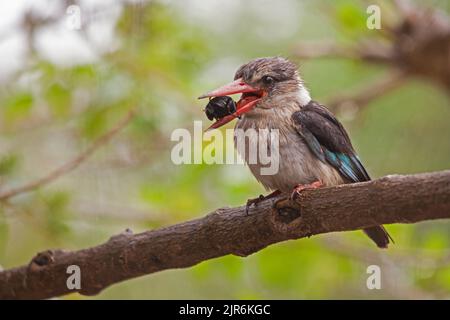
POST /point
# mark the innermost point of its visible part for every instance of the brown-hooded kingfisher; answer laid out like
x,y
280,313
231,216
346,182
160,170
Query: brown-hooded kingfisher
x,y
314,148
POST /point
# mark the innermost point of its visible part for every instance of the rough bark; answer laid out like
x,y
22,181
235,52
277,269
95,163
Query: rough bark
x,y
392,199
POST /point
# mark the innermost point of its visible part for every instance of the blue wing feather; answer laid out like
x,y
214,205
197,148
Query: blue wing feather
x,y
329,142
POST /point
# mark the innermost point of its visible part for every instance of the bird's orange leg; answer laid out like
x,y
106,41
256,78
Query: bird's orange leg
x,y
255,201
300,187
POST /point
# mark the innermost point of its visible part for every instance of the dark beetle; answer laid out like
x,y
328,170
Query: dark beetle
x,y
220,107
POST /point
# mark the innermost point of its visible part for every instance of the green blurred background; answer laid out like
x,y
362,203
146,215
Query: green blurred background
x,y
62,88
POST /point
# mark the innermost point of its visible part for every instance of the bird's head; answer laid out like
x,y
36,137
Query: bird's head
x,y
264,83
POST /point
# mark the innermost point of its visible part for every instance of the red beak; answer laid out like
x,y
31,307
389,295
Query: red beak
x,y
250,97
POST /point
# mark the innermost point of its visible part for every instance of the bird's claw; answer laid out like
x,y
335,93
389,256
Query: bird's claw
x,y
299,188
254,201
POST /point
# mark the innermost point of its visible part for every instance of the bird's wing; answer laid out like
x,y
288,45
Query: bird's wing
x,y
328,140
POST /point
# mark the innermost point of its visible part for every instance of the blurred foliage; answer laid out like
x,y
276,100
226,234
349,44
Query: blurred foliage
x,y
169,53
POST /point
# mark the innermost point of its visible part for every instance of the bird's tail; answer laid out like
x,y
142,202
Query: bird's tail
x,y
379,235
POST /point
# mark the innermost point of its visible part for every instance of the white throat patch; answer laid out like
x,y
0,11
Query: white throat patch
x,y
303,96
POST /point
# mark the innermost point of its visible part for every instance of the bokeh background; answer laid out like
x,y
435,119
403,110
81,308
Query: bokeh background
x,y
63,87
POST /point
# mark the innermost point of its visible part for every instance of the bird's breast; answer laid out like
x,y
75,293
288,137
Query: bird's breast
x,y
266,142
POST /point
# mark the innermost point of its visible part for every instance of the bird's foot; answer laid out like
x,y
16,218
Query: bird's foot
x,y
300,187
255,201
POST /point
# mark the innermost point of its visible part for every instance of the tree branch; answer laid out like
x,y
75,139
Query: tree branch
x,y
392,199
69,166
375,51
422,34
368,93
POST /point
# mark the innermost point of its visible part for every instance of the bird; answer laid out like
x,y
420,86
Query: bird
x,y
314,148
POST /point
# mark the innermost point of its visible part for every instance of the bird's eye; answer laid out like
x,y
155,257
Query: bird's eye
x,y
268,80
